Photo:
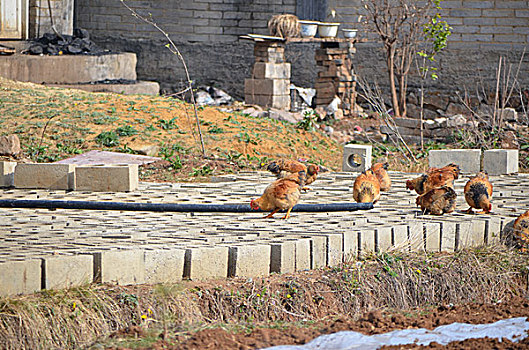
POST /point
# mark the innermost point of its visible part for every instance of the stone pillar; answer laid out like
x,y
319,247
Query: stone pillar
x,y
335,76
270,82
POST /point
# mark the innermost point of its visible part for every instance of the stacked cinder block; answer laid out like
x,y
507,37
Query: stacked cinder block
x,y
270,82
335,78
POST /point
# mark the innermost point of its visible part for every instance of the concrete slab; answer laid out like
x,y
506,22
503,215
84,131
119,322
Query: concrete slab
x,y
68,69
107,158
137,88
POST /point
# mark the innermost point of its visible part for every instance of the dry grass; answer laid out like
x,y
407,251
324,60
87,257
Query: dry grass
x,y
75,318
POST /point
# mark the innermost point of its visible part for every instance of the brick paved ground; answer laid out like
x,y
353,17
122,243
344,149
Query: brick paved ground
x,y
62,248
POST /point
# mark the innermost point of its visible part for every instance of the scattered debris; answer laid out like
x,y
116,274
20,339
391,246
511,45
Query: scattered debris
x,y
211,96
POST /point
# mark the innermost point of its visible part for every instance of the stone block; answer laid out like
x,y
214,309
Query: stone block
x,y
107,178
122,267
500,161
164,265
7,174
383,239
266,87
283,257
249,260
274,101
20,277
334,249
356,158
45,175
66,271
263,70
469,160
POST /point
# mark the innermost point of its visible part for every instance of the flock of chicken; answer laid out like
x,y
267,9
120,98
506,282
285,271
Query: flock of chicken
x,y
435,190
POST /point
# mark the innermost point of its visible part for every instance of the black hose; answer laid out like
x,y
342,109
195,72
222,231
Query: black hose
x,y
174,207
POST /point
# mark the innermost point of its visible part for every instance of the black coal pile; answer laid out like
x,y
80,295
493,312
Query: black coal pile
x,y
53,44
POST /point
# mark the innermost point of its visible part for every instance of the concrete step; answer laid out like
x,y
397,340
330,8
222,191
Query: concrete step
x,y
68,69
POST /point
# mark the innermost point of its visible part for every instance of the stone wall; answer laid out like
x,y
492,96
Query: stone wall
x,y
207,32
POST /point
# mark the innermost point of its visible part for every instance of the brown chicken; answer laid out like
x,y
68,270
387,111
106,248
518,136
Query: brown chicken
x,y
434,178
382,175
366,188
521,230
280,195
438,201
284,167
478,193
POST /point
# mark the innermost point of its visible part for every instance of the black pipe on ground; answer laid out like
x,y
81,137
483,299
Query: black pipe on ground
x,y
172,207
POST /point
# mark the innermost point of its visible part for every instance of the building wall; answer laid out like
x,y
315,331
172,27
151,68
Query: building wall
x,y
207,32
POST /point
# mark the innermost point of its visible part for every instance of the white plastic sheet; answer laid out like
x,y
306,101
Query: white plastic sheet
x,y
514,329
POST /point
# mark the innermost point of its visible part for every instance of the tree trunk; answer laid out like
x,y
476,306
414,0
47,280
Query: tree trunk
x,y
390,60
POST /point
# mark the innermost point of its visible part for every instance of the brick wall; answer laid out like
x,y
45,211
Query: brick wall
x,y
39,17
207,33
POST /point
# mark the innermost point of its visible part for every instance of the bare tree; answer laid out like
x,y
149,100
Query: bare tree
x,y
399,24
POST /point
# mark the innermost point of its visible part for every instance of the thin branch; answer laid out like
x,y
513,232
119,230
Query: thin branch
x,y
174,49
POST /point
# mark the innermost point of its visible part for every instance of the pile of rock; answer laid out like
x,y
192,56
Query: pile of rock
x,y
53,44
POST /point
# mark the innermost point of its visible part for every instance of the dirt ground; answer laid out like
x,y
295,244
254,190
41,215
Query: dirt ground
x,y
375,322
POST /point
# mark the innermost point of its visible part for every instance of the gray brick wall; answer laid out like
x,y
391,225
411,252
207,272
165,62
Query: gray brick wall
x,y
207,32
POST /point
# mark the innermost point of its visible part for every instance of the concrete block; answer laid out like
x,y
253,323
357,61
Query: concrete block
x,y
469,160
432,236
66,271
303,254
500,161
416,236
334,249
356,158
122,267
20,277
266,87
383,239
367,241
249,260
400,237
448,236
45,175
283,257
318,251
264,70
7,174
206,262
350,245
164,265
107,178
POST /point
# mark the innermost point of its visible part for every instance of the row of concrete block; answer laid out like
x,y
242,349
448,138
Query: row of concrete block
x,y
53,176
495,161
253,258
